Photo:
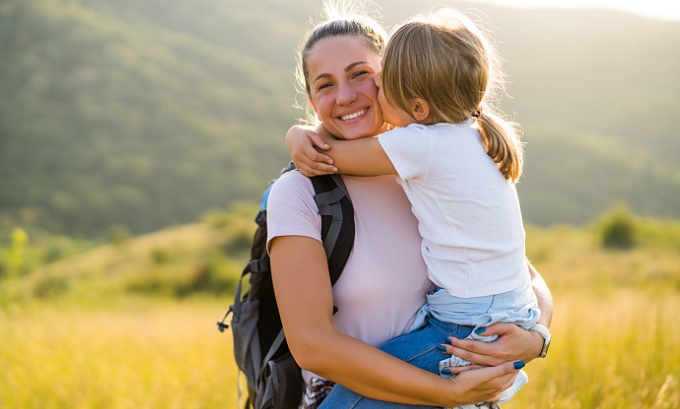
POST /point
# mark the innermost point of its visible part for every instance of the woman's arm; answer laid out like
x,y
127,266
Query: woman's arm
x,y
514,342
305,300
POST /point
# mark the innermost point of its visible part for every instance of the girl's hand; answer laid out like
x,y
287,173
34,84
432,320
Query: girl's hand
x,y
486,384
303,146
513,343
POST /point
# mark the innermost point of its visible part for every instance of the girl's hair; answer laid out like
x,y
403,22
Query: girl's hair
x,y
446,60
343,18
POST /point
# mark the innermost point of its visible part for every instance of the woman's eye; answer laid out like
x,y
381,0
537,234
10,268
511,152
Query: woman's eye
x,y
359,74
324,86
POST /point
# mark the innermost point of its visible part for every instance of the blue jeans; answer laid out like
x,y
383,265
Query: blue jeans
x,y
419,347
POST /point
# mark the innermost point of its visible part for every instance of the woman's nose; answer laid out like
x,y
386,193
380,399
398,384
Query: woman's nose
x,y
346,95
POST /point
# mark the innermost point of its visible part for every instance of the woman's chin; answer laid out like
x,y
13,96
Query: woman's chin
x,y
360,131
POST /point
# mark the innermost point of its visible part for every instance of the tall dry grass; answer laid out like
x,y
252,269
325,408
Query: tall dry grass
x,y
138,355
621,350
616,332
616,351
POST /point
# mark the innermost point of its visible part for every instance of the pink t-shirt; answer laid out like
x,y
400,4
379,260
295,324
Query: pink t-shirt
x,y
385,280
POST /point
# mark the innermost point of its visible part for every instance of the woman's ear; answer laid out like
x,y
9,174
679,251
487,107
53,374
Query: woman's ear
x,y
420,110
313,107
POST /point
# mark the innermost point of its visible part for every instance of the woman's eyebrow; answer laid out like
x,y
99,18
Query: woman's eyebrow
x,y
354,64
347,69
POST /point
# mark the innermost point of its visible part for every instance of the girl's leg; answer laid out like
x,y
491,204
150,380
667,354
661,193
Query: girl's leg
x,y
418,348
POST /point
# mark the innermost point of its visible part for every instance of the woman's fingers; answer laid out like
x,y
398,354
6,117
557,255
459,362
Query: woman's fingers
x,y
456,370
513,343
486,384
473,351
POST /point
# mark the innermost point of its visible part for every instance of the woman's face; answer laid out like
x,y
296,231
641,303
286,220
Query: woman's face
x,y
342,91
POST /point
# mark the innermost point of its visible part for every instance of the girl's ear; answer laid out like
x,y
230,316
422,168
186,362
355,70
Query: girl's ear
x,y
420,110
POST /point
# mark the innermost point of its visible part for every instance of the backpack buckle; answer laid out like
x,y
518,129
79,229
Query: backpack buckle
x,y
221,325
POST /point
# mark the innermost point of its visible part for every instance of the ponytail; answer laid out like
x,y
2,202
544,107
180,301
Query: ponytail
x,y
502,143
446,60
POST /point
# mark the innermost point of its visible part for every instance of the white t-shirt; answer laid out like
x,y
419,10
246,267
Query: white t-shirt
x,y
385,280
468,213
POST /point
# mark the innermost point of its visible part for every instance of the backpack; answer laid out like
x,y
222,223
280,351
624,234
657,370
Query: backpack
x,y
274,380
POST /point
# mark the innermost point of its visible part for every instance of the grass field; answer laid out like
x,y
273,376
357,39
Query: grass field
x,y
132,355
96,341
618,351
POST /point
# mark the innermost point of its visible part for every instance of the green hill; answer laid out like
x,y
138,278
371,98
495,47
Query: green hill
x,y
146,114
114,118
203,258
580,175
206,259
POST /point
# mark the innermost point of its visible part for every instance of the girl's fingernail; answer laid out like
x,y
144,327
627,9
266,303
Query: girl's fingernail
x,y
441,348
480,330
518,365
447,341
446,371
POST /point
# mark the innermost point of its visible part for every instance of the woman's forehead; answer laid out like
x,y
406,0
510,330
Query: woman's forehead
x,y
336,54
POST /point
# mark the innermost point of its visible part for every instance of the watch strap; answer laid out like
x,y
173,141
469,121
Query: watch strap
x,y
545,333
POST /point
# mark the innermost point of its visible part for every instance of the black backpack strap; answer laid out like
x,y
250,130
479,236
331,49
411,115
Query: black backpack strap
x,y
337,221
341,184
278,341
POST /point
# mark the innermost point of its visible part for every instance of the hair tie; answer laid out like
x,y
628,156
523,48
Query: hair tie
x,y
477,113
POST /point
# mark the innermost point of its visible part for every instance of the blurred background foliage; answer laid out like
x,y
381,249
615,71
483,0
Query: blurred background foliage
x,y
200,258
126,117
619,250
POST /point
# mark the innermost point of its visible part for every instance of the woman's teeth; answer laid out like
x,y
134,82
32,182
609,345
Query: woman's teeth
x,y
353,116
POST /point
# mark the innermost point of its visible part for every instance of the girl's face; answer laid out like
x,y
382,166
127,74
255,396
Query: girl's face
x,y
391,114
342,91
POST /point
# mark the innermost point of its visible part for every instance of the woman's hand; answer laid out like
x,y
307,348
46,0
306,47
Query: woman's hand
x,y
513,343
485,384
303,146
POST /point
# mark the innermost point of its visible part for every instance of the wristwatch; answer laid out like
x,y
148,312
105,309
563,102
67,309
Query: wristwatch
x,y
545,333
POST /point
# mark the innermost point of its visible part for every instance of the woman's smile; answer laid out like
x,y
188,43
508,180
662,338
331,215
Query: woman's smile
x,y
355,115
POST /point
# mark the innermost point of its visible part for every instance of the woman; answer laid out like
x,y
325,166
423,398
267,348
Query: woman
x,y
385,280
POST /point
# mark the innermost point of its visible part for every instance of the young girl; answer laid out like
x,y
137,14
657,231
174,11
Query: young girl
x,y
457,162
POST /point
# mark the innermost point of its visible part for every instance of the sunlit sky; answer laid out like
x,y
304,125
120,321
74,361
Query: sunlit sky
x,y
659,9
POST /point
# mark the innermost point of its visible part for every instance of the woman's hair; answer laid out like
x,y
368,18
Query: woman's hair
x,y
446,60
343,18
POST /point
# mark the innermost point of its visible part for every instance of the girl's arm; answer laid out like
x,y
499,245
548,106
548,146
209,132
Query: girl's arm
x,y
306,312
514,342
360,157
304,144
